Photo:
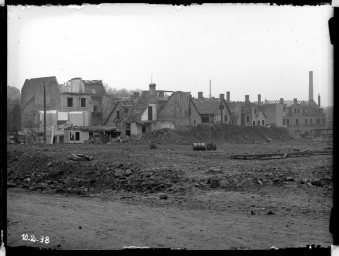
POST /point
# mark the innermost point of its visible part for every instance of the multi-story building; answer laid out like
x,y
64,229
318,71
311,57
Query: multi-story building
x,y
305,117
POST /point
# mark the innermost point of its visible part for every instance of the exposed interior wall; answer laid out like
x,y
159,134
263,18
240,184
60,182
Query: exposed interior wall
x,y
195,117
177,110
32,98
275,114
144,116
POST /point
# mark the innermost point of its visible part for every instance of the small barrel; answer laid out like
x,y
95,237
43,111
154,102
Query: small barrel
x,y
199,146
211,146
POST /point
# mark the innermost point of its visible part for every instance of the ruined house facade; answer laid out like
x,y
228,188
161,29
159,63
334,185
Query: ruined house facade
x,y
76,95
215,108
84,95
32,98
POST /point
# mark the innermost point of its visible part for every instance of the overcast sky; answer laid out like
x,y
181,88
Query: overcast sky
x,y
244,49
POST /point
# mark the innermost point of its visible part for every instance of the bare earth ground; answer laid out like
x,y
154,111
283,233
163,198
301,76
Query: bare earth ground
x,y
213,202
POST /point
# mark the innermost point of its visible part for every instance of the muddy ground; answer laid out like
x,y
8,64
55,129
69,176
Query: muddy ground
x,y
171,196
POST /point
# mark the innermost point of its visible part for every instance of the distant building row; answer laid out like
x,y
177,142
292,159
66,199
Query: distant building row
x,y
82,103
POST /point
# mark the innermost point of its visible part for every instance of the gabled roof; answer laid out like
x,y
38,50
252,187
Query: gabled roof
x,y
203,105
141,105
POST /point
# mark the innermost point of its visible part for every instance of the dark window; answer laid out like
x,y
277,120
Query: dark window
x,y
295,110
83,102
253,122
284,108
298,110
263,122
255,111
204,118
248,118
296,121
150,113
306,121
143,128
69,102
95,108
288,121
194,121
118,115
71,135
311,121
318,121
284,121
258,122
225,118
77,135
323,121
128,126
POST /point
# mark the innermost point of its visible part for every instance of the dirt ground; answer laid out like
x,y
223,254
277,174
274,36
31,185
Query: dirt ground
x,y
172,196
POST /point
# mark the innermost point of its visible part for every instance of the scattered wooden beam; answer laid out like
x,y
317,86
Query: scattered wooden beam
x,y
303,153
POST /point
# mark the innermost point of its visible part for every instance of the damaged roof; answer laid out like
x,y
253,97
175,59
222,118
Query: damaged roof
x,y
203,105
139,108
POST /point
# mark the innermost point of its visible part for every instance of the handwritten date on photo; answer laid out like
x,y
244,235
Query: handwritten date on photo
x,y
32,238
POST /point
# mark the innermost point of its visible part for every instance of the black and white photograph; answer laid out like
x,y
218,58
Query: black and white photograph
x,y
198,127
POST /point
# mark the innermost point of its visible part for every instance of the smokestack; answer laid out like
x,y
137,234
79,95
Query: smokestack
x,y
200,95
228,97
295,100
259,99
222,96
152,89
281,101
310,96
247,98
319,100
161,94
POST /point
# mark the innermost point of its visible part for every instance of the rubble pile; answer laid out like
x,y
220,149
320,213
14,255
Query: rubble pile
x,y
165,136
41,172
98,139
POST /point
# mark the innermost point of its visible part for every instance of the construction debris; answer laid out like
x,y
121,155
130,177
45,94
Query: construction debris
x,y
80,157
302,153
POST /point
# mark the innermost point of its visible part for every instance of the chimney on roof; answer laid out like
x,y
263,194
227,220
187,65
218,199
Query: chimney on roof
x,y
200,95
281,101
319,100
310,95
247,98
222,96
259,99
228,97
295,100
161,94
152,90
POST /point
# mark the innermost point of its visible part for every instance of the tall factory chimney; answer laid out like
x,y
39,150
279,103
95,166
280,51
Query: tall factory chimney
x,y
310,96
247,98
319,100
228,98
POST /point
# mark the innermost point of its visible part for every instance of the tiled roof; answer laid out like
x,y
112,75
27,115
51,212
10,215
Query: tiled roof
x,y
141,105
203,105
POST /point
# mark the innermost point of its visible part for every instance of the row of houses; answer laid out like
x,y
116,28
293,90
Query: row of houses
x,y
79,108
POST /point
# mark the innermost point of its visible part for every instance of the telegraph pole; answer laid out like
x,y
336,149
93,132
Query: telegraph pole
x,y
209,118
44,84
